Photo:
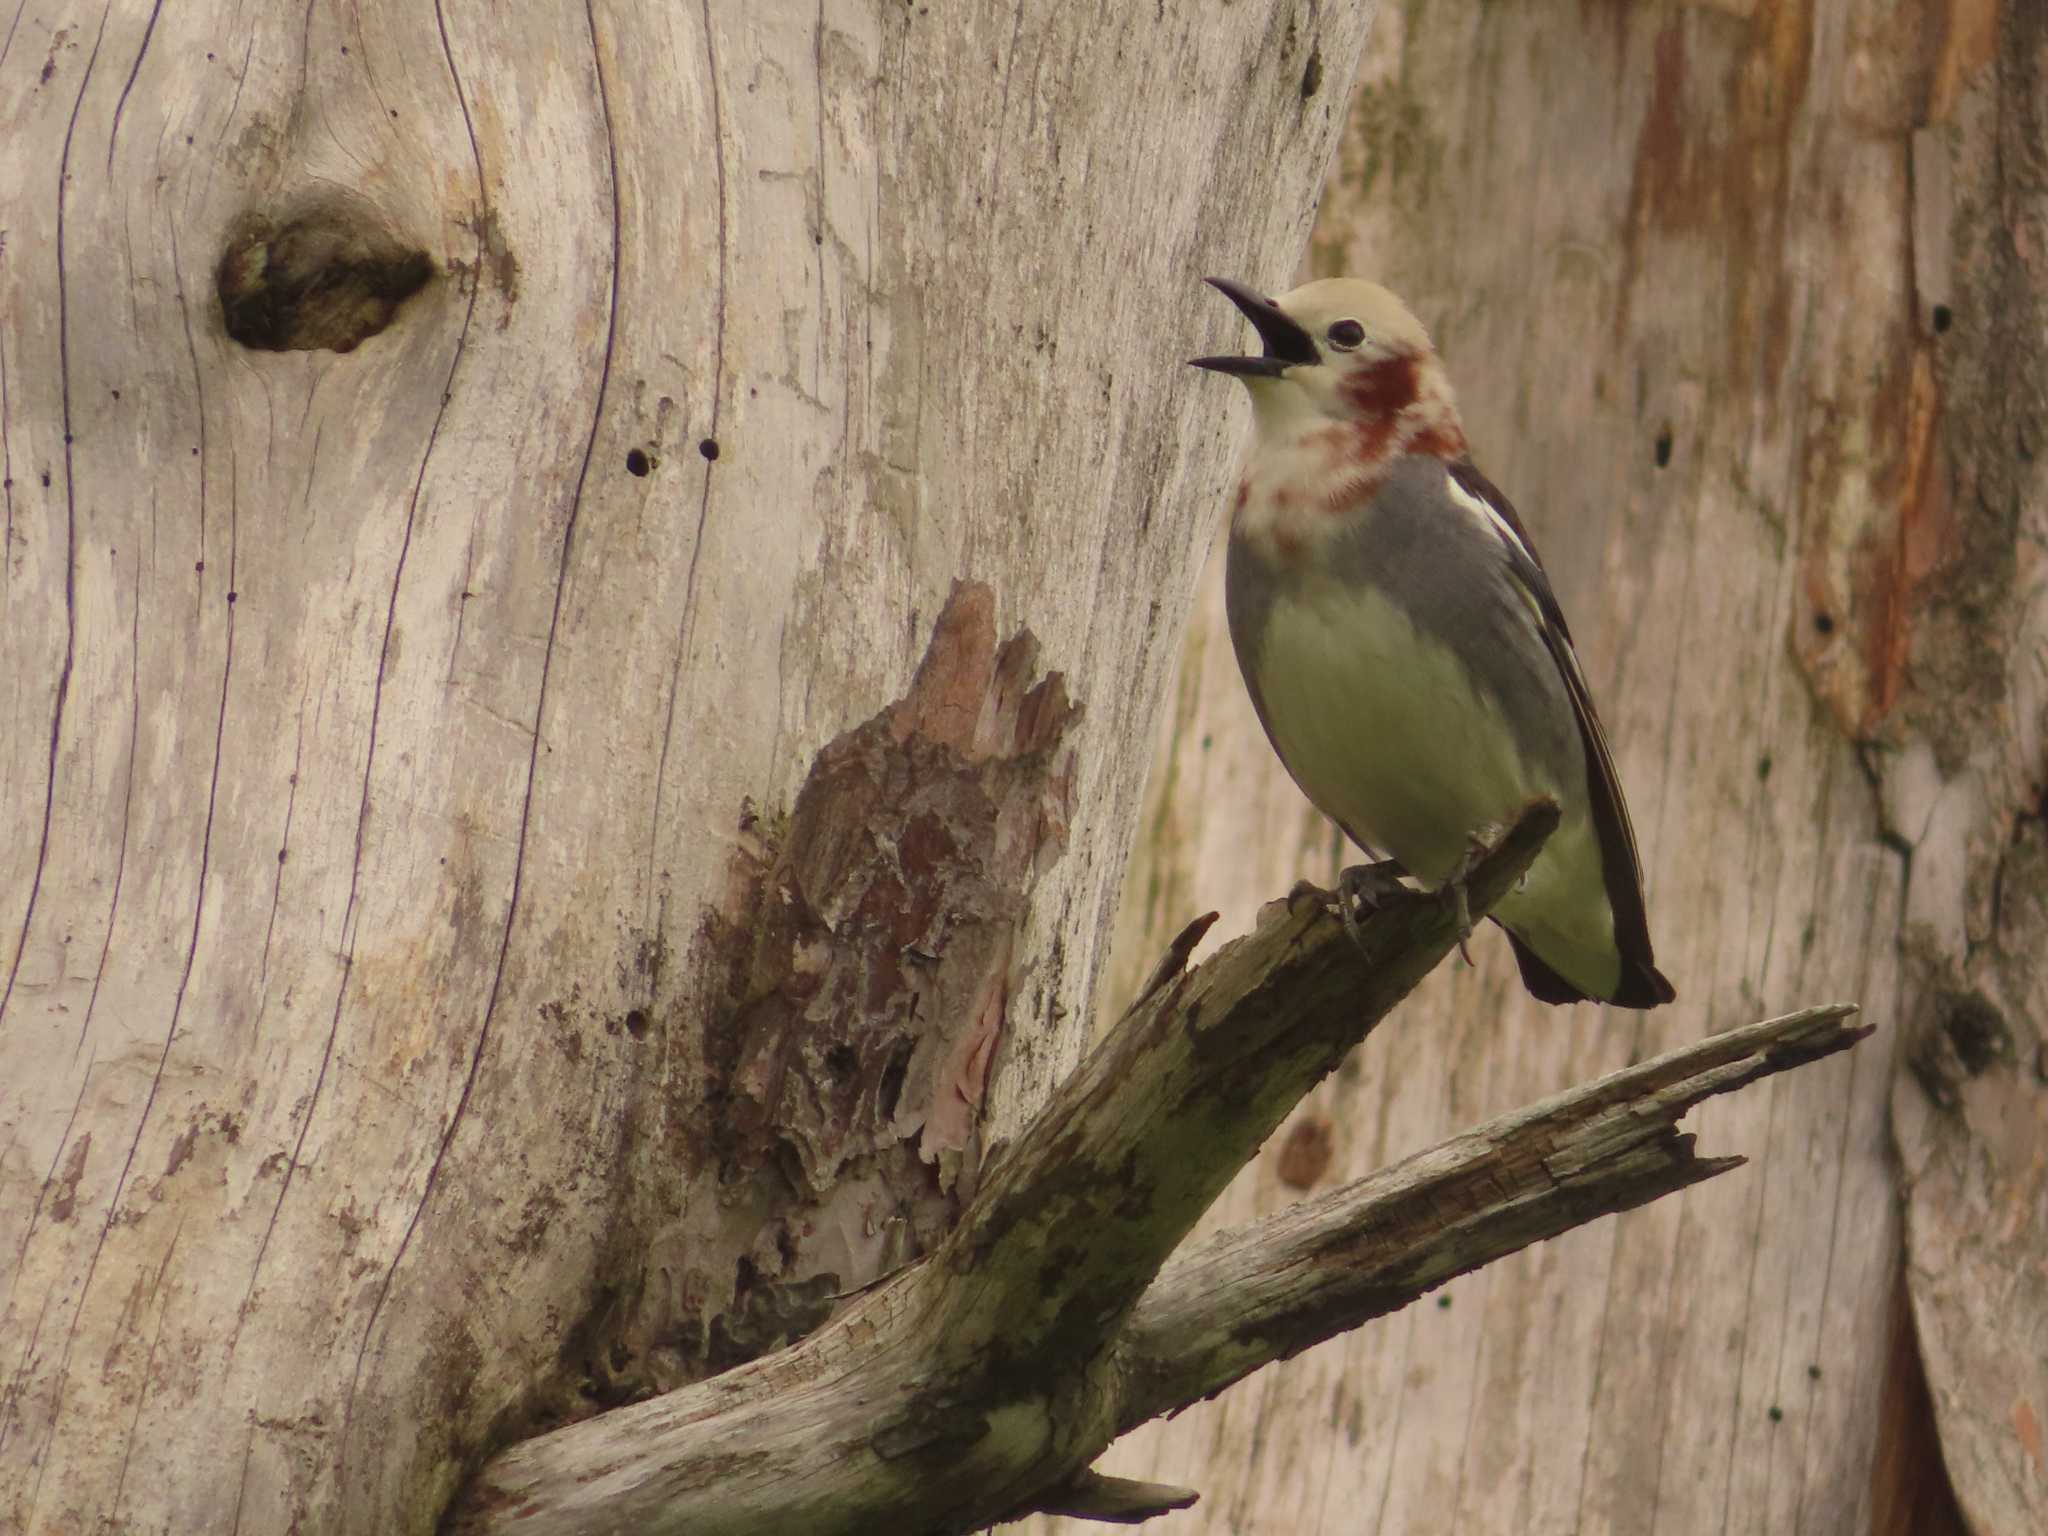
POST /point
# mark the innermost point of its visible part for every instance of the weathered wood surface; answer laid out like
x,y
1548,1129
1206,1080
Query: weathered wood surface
x,y
1745,302
380,730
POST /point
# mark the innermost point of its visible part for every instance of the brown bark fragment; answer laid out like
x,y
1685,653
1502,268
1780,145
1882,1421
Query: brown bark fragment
x,y
871,952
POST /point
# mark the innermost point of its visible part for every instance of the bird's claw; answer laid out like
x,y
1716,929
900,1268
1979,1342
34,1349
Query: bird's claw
x,y
1366,888
1464,911
1454,887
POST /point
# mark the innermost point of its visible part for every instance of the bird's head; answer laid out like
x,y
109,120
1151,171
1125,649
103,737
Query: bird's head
x,y
1337,350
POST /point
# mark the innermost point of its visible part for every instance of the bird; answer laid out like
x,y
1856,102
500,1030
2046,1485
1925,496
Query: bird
x,y
1403,647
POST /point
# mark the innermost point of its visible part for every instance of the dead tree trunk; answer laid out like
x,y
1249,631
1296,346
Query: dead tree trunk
x,y
1748,307
462,464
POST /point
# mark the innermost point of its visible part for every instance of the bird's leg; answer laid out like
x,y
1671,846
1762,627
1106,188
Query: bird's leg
x,y
1365,888
1476,848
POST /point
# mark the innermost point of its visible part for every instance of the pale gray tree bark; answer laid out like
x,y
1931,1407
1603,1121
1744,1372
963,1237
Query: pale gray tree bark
x,y
461,465
1747,305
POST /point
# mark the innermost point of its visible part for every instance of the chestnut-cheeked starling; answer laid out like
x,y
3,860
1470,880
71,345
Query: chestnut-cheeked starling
x,y
1403,647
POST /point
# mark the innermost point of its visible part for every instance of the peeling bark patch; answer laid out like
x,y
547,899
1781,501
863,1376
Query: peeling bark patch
x,y
894,1070
1871,558
593,1361
324,279
765,1317
1900,568
866,951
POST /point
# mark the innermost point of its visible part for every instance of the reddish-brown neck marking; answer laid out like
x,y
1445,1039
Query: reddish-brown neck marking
x,y
1383,391
1440,441
1398,412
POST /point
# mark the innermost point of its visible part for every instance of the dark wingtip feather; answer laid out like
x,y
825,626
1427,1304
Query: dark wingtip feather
x,y
1642,985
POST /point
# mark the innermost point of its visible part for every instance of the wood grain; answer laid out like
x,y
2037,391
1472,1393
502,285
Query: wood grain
x,y
376,728
1744,305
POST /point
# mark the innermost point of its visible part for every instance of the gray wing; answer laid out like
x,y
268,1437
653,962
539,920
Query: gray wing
x,y
1642,984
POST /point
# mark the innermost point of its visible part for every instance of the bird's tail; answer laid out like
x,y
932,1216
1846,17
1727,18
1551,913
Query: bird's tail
x,y
1642,985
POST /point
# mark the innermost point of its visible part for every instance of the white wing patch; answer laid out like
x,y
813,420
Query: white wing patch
x,y
1489,517
1483,512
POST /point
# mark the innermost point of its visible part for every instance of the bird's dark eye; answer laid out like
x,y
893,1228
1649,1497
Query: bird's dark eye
x,y
1345,335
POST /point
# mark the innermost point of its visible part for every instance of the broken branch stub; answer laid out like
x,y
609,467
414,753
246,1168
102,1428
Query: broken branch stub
x,y
981,1383
973,1385
1265,1291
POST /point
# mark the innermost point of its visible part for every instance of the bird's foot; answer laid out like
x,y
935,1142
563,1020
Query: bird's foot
x,y
1366,888
1476,849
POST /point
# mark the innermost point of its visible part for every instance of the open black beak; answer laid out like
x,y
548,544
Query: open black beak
x,y
1287,344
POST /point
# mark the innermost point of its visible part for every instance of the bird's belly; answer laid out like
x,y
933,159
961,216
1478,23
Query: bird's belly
x,y
1386,730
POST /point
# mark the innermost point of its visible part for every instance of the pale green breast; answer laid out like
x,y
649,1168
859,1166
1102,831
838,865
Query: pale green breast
x,y
1384,727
